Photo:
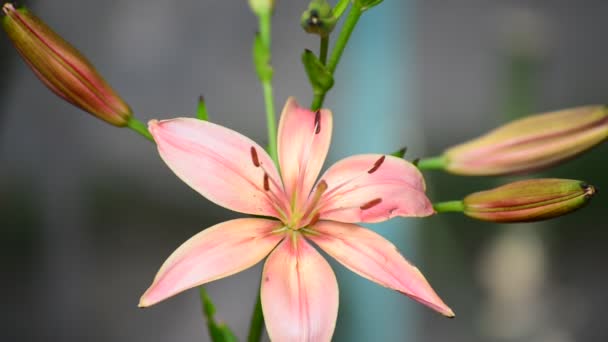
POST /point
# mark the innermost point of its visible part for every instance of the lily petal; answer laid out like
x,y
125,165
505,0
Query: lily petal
x,y
222,165
299,293
304,137
214,253
373,188
375,258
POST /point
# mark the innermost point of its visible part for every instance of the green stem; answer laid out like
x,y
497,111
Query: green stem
x,y
433,163
340,7
323,49
271,123
449,206
257,322
140,128
336,53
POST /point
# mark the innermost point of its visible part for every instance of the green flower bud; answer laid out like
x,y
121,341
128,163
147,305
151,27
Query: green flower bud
x,y
261,7
62,68
528,200
319,18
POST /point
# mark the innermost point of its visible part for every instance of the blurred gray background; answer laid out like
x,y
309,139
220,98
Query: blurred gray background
x,y
88,212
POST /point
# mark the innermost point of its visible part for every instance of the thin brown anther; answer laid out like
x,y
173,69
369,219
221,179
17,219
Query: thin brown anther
x,y
314,219
318,122
254,157
371,204
266,182
377,165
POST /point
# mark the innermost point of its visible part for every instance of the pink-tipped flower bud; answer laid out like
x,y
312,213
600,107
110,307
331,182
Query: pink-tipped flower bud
x,y
62,68
528,200
531,143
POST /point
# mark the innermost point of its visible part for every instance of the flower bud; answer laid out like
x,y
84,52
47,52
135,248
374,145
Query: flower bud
x,y
261,7
528,200
531,143
62,68
319,18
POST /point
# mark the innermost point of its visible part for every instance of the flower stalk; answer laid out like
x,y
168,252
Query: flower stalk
x,y
261,59
349,25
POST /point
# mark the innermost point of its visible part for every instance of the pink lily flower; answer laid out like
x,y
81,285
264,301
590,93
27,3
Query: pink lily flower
x,y
299,291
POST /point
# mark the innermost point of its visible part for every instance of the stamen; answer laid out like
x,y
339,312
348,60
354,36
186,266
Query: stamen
x,y
371,204
311,205
318,122
266,182
321,187
376,165
254,157
314,219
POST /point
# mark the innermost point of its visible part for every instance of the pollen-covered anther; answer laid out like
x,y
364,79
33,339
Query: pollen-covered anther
x,y
318,122
377,165
254,157
266,182
371,204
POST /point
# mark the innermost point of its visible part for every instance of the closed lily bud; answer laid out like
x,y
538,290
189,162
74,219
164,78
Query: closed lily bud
x,y
528,200
62,68
529,144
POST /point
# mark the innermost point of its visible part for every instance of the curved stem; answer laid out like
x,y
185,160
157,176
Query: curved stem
x,y
449,206
336,53
340,8
433,163
140,128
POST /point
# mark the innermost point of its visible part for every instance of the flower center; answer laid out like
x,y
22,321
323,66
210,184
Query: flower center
x,y
310,214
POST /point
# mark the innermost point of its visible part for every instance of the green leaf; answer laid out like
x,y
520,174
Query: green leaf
x,y
400,153
320,77
201,110
219,332
261,59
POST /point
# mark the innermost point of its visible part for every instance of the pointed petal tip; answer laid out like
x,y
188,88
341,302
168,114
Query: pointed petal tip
x,y
152,123
144,300
449,314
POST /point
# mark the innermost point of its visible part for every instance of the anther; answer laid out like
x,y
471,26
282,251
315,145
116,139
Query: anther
x,y
318,122
322,186
266,182
377,165
254,157
371,204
